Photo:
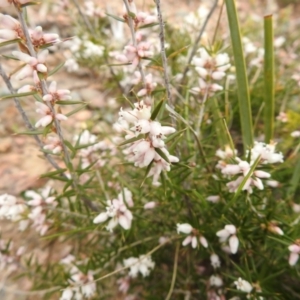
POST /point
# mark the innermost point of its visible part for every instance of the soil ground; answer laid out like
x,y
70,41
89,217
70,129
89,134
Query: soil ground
x,y
21,163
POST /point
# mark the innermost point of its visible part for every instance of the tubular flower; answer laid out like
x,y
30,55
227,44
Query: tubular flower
x,y
118,212
264,153
144,151
229,232
142,265
209,66
38,38
11,28
193,236
48,116
55,94
39,203
295,251
32,63
243,285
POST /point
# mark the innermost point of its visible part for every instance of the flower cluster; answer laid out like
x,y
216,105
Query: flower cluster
x,y
140,18
39,204
82,285
118,212
11,208
98,152
33,56
150,148
264,153
142,265
210,69
243,285
295,251
9,259
229,233
193,235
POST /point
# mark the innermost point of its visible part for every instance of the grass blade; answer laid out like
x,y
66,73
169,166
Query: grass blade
x,y
241,76
269,79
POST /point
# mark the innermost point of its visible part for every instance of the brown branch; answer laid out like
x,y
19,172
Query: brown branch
x,y
163,51
26,120
194,50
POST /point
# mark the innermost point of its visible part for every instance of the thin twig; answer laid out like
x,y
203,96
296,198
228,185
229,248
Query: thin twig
x,y
201,112
195,47
44,88
84,18
113,74
174,272
127,267
13,290
26,120
218,23
130,23
201,151
163,52
99,177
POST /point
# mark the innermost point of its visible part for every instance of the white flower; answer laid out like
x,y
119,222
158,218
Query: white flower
x,y
12,28
150,205
32,63
53,144
55,94
209,66
272,183
206,88
249,47
84,285
279,41
39,38
192,238
119,214
215,261
71,65
126,196
38,212
142,265
229,232
11,208
266,152
149,86
160,165
258,61
215,281
295,134
227,153
143,18
272,227
243,285
67,294
184,228
243,167
294,255
282,117
213,198
48,116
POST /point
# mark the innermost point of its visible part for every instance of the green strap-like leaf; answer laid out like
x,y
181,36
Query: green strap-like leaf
x,y
18,95
156,110
241,76
162,154
269,79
